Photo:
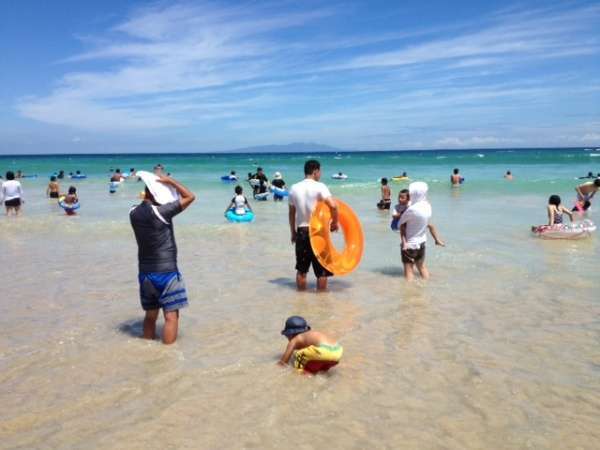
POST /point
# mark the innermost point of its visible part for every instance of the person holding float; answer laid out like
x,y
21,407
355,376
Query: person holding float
x,y
278,187
69,202
303,199
161,283
239,209
313,351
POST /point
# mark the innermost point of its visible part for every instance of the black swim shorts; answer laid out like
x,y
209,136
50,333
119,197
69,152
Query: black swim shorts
x,y
413,255
53,194
305,255
13,202
384,204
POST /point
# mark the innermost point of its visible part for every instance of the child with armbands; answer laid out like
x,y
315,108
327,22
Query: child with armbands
x,y
314,351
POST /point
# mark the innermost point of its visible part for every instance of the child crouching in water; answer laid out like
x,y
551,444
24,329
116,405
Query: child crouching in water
x,y
315,351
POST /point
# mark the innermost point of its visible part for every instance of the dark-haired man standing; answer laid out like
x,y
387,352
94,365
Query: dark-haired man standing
x,y
303,198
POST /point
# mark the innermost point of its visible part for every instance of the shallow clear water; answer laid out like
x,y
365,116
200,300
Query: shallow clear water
x,y
498,350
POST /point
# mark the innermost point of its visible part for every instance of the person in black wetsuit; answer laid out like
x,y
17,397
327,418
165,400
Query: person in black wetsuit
x,y
261,187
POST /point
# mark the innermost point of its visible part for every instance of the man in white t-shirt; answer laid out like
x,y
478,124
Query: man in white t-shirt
x,y
303,198
414,223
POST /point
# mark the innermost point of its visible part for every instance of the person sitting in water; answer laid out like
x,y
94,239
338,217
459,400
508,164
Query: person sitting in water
x,y
314,351
70,200
586,191
278,183
556,211
61,174
12,193
508,175
239,203
414,223
386,195
589,175
53,188
456,179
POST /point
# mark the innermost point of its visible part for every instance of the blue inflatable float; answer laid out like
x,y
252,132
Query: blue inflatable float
x,y
233,217
229,178
279,192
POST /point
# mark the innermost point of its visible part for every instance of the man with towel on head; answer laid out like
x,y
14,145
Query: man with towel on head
x,y
161,284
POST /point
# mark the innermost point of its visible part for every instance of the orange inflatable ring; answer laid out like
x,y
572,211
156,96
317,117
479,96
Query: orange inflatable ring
x,y
320,238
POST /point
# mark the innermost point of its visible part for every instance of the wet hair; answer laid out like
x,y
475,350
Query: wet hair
x,y
232,172
403,174
597,182
554,200
311,166
72,190
132,169
455,171
590,174
259,169
117,171
10,175
384,181
238,190
77,172
53,178
508,172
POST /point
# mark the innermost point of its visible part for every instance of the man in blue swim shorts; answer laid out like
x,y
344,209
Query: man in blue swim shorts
x,y
161,284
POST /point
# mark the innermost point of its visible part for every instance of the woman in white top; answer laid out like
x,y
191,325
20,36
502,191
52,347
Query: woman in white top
x,y
12,193
239,203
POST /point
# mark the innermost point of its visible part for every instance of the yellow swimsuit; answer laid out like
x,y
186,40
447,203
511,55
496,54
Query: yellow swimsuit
x,y
318,358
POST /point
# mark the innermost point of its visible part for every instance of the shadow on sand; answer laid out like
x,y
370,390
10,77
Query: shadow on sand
x,y
394,271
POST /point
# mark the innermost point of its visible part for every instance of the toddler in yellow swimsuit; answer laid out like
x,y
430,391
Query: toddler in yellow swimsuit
x,y
315,351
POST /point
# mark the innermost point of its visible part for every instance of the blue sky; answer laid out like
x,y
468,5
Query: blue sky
x,y
118,76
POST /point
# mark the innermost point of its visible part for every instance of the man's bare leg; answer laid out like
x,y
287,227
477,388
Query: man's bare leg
x,y
423,269
322,284
409,271
150,324
301,281
171,326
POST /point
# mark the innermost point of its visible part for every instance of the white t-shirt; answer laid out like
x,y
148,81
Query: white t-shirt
x,y
416,218
11,189
304,195
240,204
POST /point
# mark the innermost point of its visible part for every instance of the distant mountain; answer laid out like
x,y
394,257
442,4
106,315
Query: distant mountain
x,y
296,147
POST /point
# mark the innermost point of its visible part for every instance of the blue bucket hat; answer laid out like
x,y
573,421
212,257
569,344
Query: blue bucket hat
x,y
295,325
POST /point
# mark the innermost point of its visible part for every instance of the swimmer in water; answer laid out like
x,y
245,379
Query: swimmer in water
x,y
386,195
456,179
508,175
314,351
53,188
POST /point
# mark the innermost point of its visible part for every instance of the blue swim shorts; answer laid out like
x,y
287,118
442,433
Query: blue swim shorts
x,y
164,290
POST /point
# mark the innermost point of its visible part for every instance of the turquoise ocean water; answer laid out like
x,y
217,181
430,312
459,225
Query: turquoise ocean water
x,y
498,350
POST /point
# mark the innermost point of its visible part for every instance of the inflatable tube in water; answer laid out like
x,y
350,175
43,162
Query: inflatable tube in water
x,y
254,182
320,238
29,176
339,176
233,217
78,177
69,209
400,179
261,197
229,178
279,192
579,230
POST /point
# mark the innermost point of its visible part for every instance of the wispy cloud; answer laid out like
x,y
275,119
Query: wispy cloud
x,y
266,71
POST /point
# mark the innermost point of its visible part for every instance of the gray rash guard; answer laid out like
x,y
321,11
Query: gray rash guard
x,y
157,251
